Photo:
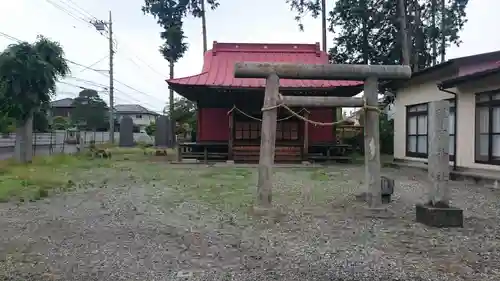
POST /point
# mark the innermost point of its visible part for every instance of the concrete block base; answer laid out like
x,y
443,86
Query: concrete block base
x,y
439,217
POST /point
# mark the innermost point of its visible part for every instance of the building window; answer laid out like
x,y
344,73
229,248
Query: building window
x,y
247,131
487,141
138,116
287,131
416,130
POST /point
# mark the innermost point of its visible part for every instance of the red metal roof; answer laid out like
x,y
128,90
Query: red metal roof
x,y
218,66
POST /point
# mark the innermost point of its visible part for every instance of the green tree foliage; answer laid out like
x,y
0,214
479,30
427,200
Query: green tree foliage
x,y
304,7
28,75
184,115
368,30
40,121
90,112
7,124
60,123
170,14
151,129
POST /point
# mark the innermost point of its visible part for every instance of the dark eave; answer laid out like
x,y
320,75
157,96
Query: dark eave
x,y
467,78
452,64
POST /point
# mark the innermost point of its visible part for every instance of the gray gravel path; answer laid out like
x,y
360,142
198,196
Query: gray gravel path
x,y
123,225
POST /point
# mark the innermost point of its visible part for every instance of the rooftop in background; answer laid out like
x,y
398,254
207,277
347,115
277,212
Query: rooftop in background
x,y
461,68
218,66
133,109
493,69
67,102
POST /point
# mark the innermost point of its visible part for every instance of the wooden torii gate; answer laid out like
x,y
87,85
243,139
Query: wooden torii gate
x,y
272,100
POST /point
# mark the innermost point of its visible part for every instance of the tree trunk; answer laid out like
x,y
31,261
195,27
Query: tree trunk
x,y
23,150
171,104
443,33
433,35
366,57
418,33
323,25
403,29
204,26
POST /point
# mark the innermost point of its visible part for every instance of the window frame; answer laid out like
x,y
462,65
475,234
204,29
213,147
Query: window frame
x,y
452,136
247,128
490,104
416,114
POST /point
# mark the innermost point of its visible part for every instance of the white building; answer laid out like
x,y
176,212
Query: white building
x,y
472,85
140,115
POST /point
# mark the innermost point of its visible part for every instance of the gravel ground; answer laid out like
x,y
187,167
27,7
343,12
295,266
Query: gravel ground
x,y
160,222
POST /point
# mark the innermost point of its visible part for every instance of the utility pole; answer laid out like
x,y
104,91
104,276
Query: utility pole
x,y
111,87
101,26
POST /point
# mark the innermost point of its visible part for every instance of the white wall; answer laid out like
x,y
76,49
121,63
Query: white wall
x,y
428,91
141,120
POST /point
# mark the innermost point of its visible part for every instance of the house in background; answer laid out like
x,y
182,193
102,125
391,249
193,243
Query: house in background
x,y
472,85
140,115
62,107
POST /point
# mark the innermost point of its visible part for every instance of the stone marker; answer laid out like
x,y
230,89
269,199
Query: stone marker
x,y
126,132
437,211
163,136
387,189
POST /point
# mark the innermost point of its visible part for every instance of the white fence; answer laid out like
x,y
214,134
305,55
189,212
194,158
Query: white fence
x,y
61,137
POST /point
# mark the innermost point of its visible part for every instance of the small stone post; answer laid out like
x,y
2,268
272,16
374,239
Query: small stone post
x,y
439,156
437,211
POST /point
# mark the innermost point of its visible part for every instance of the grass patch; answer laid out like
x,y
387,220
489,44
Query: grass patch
x,y
319,175
29,182
227,189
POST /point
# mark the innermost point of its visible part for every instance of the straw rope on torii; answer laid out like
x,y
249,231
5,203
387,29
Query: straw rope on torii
x,y
312,122
260,120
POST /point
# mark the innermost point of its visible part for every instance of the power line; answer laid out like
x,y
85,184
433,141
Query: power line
x,y
89,67
95,63
10,37
82,9
69,13
95,84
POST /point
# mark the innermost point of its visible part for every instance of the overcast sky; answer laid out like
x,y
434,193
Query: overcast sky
x,y
138,63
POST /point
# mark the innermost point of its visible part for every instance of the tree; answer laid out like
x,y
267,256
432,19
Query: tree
x,y
40,119
90,112
7,124
184,116
169,15
381,45
60,123
369,30
28,76
151,129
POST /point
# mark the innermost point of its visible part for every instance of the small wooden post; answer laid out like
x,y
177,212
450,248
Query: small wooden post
x,y
179,152
305,151
372,148
231,137
205,154
268,141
